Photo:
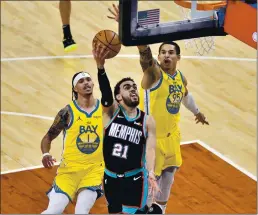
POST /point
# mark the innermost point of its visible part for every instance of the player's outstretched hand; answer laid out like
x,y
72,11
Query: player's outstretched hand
x,y
114,12
199,117
100,53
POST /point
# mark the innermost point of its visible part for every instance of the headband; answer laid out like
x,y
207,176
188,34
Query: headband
x,y
80,76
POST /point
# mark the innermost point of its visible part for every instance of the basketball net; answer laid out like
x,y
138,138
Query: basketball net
x,y
202,45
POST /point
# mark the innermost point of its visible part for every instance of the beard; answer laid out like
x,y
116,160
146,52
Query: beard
x,y
87,92
131,103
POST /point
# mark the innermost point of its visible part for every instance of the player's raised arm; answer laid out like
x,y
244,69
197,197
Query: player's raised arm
x,y
107,101
61,121
149,65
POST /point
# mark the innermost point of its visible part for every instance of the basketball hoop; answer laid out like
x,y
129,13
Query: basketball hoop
x,y
200,9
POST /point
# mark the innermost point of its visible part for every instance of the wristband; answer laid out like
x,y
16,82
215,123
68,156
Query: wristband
x,y
47,153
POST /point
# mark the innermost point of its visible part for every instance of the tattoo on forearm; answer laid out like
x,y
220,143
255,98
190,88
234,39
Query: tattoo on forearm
x,y
146,58
60,122
146,55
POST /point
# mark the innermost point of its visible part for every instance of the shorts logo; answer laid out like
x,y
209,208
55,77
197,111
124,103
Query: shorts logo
x,y
88,140
174,98
135,179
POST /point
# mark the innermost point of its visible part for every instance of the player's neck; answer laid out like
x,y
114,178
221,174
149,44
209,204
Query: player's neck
x,y
170,71
86,102
130,111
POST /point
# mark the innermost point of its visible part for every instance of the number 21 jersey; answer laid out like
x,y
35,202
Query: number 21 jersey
x,y
124,143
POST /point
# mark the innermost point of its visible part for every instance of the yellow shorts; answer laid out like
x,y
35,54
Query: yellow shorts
x,y
168,152
70,182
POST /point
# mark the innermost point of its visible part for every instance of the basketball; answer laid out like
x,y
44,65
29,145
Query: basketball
x,y
110,40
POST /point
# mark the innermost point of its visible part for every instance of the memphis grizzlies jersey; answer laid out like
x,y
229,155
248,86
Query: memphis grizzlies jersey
x,y
83,138
125,142
163,102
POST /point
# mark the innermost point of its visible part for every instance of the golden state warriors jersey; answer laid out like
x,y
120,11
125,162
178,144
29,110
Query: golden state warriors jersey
x,y
163,102
83,138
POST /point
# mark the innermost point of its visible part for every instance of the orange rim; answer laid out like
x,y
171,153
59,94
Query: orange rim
x,y
201,6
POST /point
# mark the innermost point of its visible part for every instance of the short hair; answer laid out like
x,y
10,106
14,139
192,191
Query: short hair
x,y
118,84
75,94
177,47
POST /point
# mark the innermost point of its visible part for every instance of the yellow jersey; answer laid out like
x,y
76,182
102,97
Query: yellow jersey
x,y
163,101
83,138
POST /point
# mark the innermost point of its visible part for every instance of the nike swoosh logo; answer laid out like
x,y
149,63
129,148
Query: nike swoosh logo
x,y
136,178
120,116
137,123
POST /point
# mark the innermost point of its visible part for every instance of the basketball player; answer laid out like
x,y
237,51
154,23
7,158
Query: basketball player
x,y
65,12
165,88
130,140
81,169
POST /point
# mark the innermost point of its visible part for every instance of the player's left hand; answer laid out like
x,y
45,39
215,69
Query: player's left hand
x,y
100,53
199,117
114,12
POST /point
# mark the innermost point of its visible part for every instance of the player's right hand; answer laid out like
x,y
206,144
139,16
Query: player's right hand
x,y
115,13
48,161
100,54
154,187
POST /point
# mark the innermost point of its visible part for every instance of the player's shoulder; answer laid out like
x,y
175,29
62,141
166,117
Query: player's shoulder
x,y
182,77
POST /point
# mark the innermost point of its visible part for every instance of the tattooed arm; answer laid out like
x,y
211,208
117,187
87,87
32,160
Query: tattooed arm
x,y
150,67
61,121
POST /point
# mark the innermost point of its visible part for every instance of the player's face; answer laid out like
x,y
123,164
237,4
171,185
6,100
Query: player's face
x,y
168,57
84,86
129,93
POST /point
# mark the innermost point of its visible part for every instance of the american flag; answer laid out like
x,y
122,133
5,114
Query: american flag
x,y
148,17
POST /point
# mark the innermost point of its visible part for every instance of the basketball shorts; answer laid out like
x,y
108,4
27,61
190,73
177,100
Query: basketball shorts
x,y
70,182
168,152
126,194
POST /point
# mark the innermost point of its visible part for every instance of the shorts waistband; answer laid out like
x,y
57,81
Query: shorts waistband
x,y
124,175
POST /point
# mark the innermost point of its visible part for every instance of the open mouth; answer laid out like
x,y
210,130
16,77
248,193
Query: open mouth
x,y
167,61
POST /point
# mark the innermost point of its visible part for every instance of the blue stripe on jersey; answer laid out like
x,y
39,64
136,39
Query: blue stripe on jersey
x,y
145,188
111,174
71,121
144,156
128,118
133,172
58,190
87,114
182,77
172,76
126,174
157,84
129,210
